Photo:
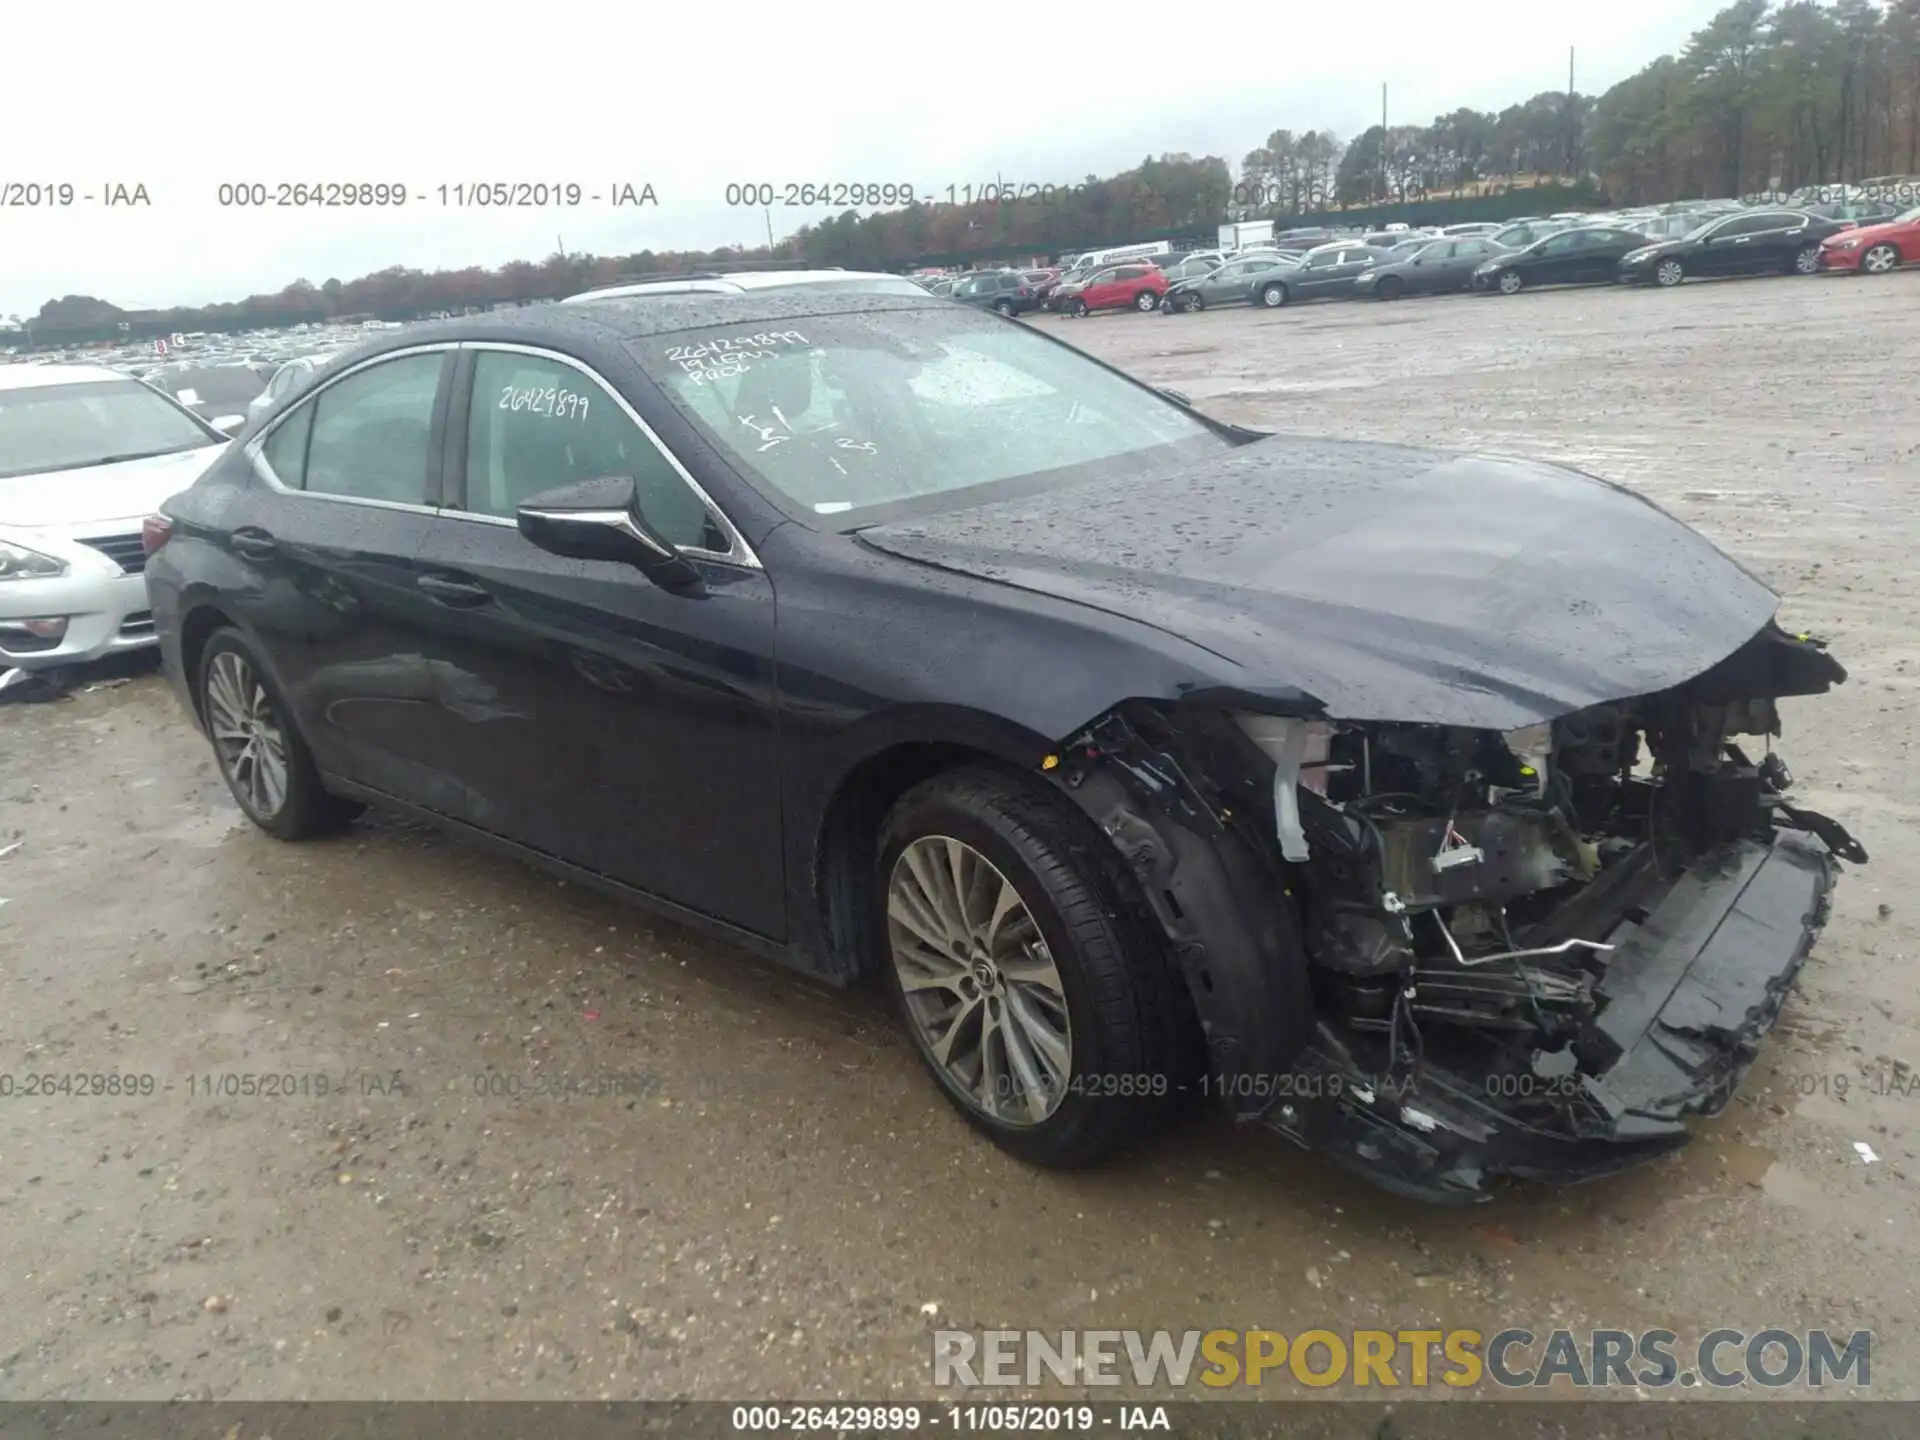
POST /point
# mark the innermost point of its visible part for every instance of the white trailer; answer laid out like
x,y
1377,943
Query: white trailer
x,y
1245,234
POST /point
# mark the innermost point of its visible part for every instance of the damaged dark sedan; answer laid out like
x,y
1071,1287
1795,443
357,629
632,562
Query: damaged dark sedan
x,y
1421,808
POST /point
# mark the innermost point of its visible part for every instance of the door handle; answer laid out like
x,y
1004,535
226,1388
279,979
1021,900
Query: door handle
x,y
254,544
461,594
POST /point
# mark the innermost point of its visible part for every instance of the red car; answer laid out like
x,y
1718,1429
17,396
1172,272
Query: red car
x,y
1875,249
1136,285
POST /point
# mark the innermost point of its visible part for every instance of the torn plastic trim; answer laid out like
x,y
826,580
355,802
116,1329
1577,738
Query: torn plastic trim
x,y
1220,901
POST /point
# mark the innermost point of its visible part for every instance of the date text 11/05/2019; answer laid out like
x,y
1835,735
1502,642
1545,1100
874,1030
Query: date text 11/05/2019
x,y
446,195
887,194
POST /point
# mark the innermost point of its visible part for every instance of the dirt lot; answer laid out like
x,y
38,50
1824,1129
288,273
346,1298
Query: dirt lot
x,y
779,1196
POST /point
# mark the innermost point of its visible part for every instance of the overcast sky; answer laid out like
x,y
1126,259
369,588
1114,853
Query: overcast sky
x,y
181,99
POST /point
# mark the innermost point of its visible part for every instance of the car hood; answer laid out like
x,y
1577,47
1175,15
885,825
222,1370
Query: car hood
x,y
58,499
1384,582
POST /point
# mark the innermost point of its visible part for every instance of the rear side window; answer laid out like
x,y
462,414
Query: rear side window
x,y
372,433
537,423
285,449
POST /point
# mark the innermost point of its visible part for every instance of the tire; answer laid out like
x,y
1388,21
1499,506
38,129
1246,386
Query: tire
x,y
1510,282
1147,301
1669,272
1126,1014
1003,308
1195,303
238,698
1881,259
1389,288
1077,309
1273,295
1806,261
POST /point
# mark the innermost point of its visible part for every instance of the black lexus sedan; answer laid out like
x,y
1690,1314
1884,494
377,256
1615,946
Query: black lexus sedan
x,y
1140,755
1751,242
1588,255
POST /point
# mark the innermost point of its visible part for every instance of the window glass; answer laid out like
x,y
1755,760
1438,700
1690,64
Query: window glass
x,y
536,424
286,448
1739,225
1563,244
845,412
372,432
90,422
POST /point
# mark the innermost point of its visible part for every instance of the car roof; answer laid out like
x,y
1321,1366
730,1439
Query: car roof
x,y
28,377
738,283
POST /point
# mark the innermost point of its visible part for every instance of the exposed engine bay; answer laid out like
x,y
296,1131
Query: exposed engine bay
x,y
1517,944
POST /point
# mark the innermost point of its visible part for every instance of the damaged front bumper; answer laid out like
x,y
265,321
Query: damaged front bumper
x,y
1692,986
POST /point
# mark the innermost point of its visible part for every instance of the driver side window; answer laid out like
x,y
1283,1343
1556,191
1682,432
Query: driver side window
x,y
537,423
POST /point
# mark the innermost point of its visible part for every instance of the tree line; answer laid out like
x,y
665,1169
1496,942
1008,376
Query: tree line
x,y
1763,97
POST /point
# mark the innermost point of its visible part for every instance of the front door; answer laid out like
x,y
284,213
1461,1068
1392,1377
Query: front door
x,y
596,717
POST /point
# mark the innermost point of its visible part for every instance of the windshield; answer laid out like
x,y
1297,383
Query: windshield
x,y
847,412
68,427
224,385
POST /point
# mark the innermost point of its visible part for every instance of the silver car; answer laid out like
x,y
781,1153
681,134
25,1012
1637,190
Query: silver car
x,y
86,454
1243,280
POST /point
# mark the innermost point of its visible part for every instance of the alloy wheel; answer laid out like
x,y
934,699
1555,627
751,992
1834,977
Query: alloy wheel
x,y
247,738
1670,272
982,990
1510,282
1807,260
1880,259
1147,301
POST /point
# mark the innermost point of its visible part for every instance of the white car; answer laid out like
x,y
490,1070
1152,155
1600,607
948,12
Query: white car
x,y
86,455
288,378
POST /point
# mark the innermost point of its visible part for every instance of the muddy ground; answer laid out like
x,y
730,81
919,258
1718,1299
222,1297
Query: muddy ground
x,y
778,1195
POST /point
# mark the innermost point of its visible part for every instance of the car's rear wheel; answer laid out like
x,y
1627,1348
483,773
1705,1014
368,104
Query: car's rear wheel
x,y
1669,272
1273,294
1880,259
260,752
1806,260
1146,300
1003,307
1510,282
1389,288
1034,992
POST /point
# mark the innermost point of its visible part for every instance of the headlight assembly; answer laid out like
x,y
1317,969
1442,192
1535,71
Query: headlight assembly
x,y
19,563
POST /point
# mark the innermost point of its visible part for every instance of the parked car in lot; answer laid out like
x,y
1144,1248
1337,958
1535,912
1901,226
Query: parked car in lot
x,y
1133,286
288,378
1753,242
1875,249
1434,267
1325,273
1518,234
1472,228
1859,212
1245,280
1571,257
218,394
1189,267
1008,292
86,454
643,592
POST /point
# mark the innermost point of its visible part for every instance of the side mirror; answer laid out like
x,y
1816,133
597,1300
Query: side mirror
x,y
230,425
600,520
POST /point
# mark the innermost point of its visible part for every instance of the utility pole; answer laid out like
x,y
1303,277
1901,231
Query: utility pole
x,y
1383,140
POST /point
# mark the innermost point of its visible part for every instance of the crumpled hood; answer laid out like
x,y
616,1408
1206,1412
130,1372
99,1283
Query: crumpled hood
x,y
1389,583
60,499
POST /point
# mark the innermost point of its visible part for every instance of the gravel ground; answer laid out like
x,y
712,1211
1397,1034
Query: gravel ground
x,y
774,1198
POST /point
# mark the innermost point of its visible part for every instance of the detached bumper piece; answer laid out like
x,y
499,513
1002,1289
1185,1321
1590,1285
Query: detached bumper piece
x,y
1692,986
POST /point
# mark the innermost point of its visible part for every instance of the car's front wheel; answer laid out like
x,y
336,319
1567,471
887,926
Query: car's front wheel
x,y
1880,259
1389,288
260,752
1077,308
1510,282
1034,992
1669,272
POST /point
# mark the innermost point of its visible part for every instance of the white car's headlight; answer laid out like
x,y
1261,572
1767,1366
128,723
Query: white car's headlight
x,y
19,563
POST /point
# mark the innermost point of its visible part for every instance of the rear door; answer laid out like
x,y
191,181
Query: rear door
x,y
597,717
327,544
